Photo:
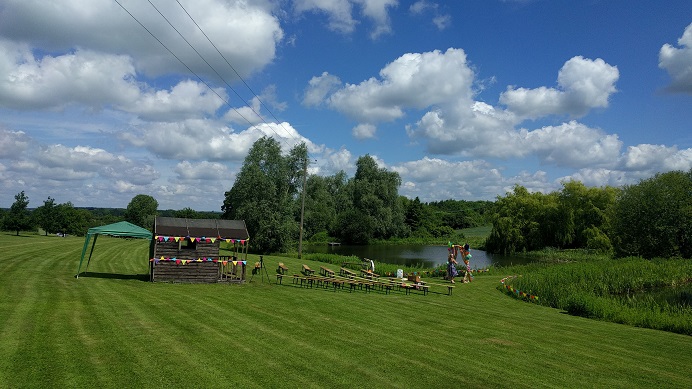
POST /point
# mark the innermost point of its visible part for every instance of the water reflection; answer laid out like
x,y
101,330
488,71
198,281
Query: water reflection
x,y
414,255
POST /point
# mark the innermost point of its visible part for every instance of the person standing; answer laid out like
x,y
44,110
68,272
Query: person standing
x,y
451,267
466,256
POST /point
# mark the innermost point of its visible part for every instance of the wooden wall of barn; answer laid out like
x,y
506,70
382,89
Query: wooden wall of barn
x,y
205,271
193,272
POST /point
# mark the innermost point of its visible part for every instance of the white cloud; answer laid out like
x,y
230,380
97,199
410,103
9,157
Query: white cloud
x,y
583,84
440,20
377,10
187,99
246,115
102,25
340,13
571,145
197,139
364,131
678,62
334,161
12,143
84,77
414,80
656,158
208,171
319,87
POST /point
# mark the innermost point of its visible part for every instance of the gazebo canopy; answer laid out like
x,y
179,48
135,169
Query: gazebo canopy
x,y
122,229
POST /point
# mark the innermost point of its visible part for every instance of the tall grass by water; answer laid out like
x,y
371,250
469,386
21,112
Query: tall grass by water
x,y
613,290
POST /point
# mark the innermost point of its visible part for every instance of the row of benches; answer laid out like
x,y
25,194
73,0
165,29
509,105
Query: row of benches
x,y
368,281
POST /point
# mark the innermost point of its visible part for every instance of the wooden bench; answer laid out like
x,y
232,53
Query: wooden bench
x,y
282,269
326,272
346,273
307,271
368,274
449,289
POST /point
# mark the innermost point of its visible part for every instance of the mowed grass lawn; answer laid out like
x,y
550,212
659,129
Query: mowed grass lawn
x,y
113,330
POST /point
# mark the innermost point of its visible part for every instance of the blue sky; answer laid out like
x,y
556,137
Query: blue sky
x,y
464,99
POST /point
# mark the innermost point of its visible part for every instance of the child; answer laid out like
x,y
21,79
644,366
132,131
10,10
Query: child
x,y
451,268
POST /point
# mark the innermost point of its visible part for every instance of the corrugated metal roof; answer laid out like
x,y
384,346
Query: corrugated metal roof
x,y
226,229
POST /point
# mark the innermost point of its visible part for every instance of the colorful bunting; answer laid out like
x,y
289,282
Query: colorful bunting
x,y
519,293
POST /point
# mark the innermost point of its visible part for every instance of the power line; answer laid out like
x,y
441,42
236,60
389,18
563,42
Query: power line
x,y
217,73
235,71
192,71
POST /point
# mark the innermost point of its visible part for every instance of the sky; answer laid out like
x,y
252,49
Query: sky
x,y
102,100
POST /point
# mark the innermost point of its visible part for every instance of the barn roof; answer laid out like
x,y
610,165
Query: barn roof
x,y
225,229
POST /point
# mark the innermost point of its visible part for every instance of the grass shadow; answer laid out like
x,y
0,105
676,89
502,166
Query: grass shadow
x,y
117,276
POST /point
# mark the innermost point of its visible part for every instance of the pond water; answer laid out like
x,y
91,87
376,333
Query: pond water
x,y
414,255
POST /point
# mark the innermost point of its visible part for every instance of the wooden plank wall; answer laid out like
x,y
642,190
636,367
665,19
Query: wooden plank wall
x,y
193,272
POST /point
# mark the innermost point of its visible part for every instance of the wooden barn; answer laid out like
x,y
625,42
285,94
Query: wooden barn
x,y
187,250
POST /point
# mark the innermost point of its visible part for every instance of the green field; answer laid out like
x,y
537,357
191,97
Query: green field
x,y
111,329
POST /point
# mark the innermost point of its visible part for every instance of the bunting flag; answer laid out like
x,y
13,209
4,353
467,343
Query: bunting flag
x,y
201,259
517,292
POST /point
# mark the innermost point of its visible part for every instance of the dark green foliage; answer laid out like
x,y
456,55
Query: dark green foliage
x,y
141,211
46,216
575,217
18,218
654,217
265,193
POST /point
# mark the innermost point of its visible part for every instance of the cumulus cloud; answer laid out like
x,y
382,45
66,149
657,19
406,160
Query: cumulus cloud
x,y
187,99
364,131
83,77
198,139
340,13
12,143
204,170
571,145
414,80
319,88
678,62
101,25
583,84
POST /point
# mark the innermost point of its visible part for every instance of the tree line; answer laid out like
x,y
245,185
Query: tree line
x,y
355,210
650,219
65,219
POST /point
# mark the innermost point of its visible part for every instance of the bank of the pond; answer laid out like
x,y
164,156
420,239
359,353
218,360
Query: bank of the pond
x,y
605,289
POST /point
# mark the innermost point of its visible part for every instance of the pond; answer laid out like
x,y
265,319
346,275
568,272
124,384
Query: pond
x,y
415,255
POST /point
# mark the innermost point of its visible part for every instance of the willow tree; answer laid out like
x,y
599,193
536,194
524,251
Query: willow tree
x,y
264,193
376,211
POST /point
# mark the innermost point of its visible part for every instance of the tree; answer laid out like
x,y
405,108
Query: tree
x,y
264,194
141,211
46,216
18,218
654,217
188,213
375,193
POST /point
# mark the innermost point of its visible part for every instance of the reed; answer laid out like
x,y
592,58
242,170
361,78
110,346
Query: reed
x,y
604,289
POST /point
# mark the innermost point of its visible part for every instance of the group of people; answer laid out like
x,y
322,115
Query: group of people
x,y
454,251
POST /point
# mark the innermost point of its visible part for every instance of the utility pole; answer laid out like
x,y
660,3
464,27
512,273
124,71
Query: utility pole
x,y
302,210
